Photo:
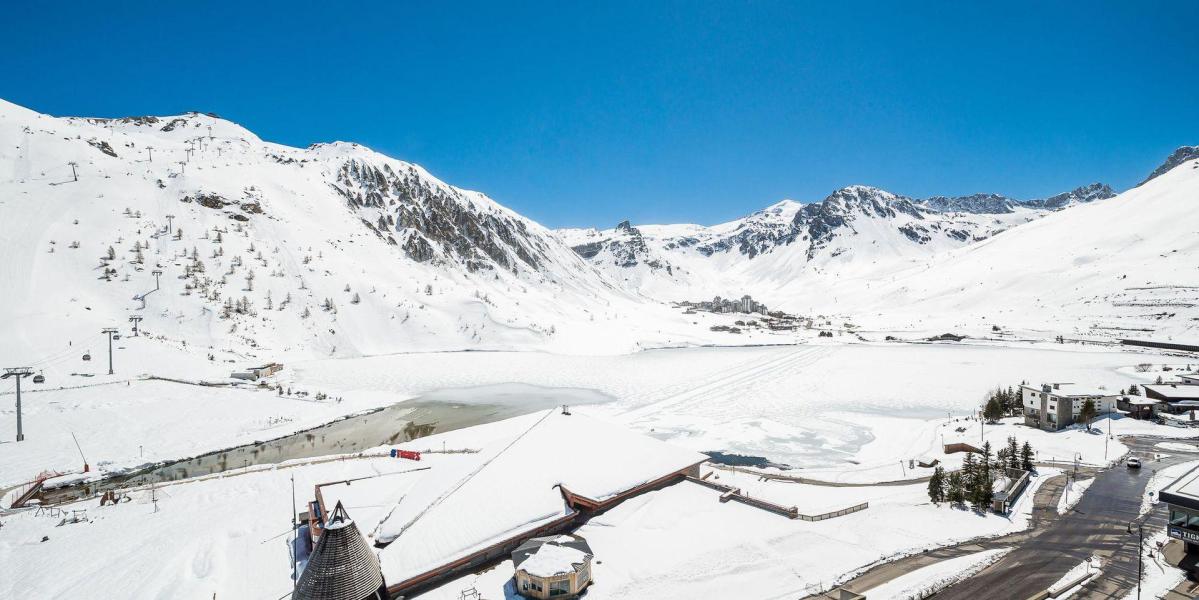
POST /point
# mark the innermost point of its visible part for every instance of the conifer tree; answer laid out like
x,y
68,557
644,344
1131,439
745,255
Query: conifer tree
x,y
936,486
1026,455
954,488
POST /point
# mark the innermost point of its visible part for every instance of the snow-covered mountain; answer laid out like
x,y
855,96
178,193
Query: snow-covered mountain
x,y
854,228
228,246
277,251
1124,267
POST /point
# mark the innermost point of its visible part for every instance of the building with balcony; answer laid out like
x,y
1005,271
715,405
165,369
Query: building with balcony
x,y
1054,406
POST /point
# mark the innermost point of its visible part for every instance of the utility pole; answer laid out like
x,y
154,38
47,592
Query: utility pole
x,y
109,331
19,373
295,581
73,173
134,319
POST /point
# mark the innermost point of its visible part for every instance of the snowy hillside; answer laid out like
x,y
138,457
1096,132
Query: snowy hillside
x,y
1124,267
268,250
855,231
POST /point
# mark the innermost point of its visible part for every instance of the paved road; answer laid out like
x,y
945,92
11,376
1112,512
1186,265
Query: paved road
x,y
1044,511
1053,544
1098,526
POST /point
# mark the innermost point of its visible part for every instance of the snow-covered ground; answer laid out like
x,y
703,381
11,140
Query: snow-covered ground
x,y
334,258
927,580
1068,583
834,411
837,410
1158,576
682,542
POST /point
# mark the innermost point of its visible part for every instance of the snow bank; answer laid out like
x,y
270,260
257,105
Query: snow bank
x,y
515,484
925,581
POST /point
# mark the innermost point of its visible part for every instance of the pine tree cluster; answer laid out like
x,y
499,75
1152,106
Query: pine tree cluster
x,y
974,483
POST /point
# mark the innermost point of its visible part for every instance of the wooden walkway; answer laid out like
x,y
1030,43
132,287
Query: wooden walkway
x,y
791,512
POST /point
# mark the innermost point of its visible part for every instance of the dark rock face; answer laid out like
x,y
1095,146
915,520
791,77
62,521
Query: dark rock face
x,y
214,201
628,248
1080,195
1179,156
995,204
822,220
103,147
436,221
982,204
915,233
173,124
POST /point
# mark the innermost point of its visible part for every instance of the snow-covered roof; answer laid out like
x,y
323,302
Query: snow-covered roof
x,y
1141,401
1184,490
552,559
1175,391
1073,390
512,486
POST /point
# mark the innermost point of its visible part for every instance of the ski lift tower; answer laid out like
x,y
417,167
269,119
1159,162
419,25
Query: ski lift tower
x,y
18,373
110,331
135,319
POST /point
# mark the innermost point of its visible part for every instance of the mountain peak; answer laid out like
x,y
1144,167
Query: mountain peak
x,y
1179,156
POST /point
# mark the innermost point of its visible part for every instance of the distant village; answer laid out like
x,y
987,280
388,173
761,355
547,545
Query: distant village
x,y
727,305
777,320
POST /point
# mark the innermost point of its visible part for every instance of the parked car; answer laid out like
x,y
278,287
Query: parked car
x,y
1133,462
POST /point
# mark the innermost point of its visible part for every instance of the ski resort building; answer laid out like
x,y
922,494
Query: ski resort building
x,y
1182,501
1177,397
537,482
552,566
1054,406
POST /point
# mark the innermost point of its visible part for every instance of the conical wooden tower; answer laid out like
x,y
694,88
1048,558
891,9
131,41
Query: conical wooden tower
x,y
342,566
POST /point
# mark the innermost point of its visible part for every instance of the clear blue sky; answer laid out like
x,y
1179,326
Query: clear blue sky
x,y
582,114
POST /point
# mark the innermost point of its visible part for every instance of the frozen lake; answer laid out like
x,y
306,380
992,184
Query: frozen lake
x,y
844,407
438,411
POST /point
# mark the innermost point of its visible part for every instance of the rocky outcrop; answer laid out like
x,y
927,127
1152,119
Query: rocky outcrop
x,y
437,221
1181,155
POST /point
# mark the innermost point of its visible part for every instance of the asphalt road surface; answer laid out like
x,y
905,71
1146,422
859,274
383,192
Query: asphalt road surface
x,y
1098,526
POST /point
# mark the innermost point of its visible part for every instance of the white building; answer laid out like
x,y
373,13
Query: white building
x,y
1053,406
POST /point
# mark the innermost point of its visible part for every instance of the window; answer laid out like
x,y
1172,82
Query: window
x,y
1193,521
560,587
1178,517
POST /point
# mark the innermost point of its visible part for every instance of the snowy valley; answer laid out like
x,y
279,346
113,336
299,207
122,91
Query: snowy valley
x,y
550,380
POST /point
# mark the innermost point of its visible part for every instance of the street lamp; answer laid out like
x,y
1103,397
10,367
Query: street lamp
x,y
1140,553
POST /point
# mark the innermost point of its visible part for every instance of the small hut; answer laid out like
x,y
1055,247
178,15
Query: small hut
x,y
552,567
342,566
